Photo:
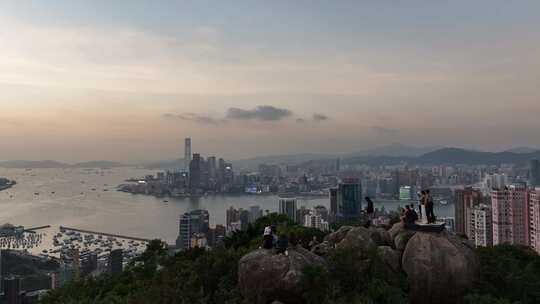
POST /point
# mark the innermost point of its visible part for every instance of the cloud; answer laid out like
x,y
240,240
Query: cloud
x,y
262,113
383,131
202,119
320,117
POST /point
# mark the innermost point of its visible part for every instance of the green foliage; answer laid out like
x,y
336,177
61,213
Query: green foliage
x,y
509,274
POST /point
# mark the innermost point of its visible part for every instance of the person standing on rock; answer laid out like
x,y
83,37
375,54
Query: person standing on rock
x,y
429,208
274,236
421,197
282,245
370,210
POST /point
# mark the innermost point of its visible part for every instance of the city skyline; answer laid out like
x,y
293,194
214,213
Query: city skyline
x,y
129,80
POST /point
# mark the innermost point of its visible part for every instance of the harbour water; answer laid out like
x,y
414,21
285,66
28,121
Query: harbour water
x,y
66,197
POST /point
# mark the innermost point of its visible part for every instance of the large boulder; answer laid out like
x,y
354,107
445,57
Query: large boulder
x,y
265,276
390,257
440,267
380,236
359,239
400,236
396,229
322,249
338,236
402,239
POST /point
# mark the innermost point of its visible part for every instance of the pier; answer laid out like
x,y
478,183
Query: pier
x,y
33,230
106,234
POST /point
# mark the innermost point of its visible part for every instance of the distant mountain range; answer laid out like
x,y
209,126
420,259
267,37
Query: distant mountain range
x,y
386,155
450,156
42,164
393,150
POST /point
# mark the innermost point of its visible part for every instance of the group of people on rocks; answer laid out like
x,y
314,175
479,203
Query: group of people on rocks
x,y
409,215
281,243
272,241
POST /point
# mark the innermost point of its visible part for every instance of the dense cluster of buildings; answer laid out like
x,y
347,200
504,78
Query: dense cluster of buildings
x,y
508,214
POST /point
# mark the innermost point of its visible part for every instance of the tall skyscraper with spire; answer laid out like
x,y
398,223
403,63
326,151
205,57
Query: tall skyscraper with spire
x,y
187,153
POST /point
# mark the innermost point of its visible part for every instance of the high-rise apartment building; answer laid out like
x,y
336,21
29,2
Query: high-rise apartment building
x,y
197,221
510,215
465,199
315,220
534,219
482,225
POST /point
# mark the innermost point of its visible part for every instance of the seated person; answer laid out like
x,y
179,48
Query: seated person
x,y
268,238
410,217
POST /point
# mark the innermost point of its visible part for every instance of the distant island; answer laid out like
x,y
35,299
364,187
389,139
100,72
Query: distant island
x,y
48,164
6,183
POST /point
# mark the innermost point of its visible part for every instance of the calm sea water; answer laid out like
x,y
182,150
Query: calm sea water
x,y
65,197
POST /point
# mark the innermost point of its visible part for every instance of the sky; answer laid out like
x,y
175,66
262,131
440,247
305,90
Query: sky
x,y
128,80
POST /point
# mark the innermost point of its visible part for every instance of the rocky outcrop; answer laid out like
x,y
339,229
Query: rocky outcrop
x,y
322,249
440,267
381,236
265,277
358,239
338,236
390,257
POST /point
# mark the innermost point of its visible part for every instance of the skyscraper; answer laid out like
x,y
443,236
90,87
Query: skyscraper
x,y
482,225
534,219
116,260
195,173
349,202
333,202
187,153
510,215
465,199
196,221
534,173
287,206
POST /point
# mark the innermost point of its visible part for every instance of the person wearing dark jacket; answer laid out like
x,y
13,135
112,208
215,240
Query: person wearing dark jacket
x,y
370,210
429,208
282,244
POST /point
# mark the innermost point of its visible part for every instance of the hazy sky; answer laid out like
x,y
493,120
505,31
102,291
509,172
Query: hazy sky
x,y
128,80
